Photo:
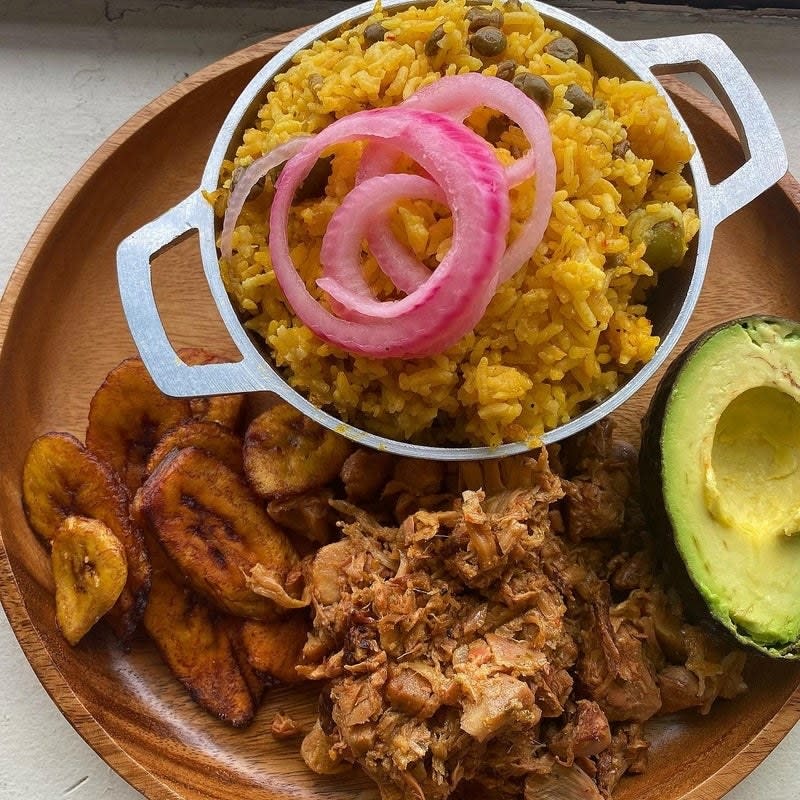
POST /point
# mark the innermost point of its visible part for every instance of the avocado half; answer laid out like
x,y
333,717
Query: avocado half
x,y
720,476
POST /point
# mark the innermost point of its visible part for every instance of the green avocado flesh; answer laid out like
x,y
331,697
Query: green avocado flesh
x,y
730,461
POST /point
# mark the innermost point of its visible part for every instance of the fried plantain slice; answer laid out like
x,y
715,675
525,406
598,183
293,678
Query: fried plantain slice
x,y
211,437
256,682
495,475
224,409
287,453
90,570
275,648
365,473
62,478
127,416
196,647
214,528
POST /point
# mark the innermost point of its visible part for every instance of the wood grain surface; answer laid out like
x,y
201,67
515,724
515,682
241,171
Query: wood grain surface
x,y
62,329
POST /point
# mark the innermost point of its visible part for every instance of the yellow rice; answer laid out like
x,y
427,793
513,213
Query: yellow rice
x,y
558,335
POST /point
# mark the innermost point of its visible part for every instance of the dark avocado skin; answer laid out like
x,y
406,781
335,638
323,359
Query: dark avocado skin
x,y
650,479
653,505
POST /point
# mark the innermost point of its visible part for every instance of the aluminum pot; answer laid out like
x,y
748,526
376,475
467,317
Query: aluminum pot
x,y
670,310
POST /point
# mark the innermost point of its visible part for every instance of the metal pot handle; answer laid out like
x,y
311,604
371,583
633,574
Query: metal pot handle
x,y
169,372
711,58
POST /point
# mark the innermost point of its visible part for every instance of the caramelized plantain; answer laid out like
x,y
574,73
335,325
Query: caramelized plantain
x,y
196,647
417,476
61,478
274,649
287,453
256,682
365,473
211,437
224,409
90,570
214,528
127,416
497,475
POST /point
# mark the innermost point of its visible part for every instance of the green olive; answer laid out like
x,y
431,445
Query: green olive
x,y
506,70
563,49
479,17
535,87
582,104
374,32
661,229
488,41
432,44
667,245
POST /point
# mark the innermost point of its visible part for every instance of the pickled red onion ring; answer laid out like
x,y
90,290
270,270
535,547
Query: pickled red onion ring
x,y
351,223
343,279
247,180
447,305
456,96
399,264
460,170
459,95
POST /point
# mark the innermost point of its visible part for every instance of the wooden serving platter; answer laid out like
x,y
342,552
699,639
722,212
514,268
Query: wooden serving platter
x,y
62,328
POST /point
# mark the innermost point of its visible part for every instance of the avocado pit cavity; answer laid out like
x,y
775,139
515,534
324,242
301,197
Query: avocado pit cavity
x,y
752,478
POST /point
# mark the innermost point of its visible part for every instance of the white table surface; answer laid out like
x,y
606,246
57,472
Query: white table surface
x,y
70,74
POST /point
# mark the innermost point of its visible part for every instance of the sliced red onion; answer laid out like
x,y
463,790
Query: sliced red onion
x,y
248,179
449,303
456,96
366,208
399,264
460,170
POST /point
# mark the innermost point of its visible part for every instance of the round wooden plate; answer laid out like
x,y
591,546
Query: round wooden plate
x,y
62,329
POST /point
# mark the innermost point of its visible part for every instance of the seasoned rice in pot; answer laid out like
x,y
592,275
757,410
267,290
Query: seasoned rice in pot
x,y
566,329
